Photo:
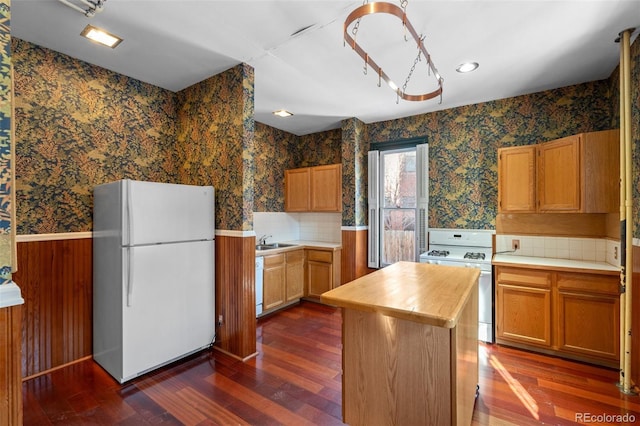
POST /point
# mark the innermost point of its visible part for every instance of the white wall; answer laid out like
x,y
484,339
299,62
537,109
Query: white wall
x,y
323,227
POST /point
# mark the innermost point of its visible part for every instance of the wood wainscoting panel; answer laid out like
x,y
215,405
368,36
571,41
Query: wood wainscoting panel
x,y
56,282
10,376
235,295
354,255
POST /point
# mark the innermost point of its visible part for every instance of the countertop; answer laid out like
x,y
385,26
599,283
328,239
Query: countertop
x,y
553,263
298,244
419,292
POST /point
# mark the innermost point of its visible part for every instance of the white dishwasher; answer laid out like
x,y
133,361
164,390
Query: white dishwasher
x,y
259,268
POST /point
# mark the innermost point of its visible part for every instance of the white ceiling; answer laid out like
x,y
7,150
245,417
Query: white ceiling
x,y
522,47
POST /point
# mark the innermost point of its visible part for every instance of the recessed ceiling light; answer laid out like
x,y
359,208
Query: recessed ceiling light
x,y
282,113
100,36
467,67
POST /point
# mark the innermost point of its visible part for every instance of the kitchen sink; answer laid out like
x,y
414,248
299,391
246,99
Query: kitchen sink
x,y
273,246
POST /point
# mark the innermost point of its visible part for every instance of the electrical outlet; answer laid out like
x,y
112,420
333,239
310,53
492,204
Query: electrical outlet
x,y
515,244
219,319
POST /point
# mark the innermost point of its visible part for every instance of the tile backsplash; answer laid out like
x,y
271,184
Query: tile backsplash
x,y
324,227
587,249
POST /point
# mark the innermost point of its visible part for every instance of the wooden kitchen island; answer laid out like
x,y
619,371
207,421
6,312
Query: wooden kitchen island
x,y
410,345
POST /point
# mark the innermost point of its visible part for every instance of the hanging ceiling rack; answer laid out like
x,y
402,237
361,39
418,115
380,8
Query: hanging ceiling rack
x,y
392,9
87,7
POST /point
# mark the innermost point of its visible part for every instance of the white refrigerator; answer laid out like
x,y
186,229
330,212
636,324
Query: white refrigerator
x,y
153,274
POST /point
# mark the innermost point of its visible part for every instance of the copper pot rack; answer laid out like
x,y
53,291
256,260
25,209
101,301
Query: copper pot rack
x,y
392,9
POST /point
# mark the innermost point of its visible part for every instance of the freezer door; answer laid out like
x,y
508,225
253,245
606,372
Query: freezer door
x,y
168,300
162,212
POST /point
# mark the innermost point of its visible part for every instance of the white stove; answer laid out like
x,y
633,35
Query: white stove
x,y
471,249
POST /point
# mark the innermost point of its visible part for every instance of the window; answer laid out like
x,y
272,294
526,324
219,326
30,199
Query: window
x,y
398,202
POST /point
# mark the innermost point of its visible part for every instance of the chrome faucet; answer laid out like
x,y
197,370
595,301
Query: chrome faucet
x,y
263,240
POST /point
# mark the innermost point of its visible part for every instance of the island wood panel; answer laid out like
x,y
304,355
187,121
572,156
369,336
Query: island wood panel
x,y
395,371
405,372
409,333
55,278
10,375
464,353
235,295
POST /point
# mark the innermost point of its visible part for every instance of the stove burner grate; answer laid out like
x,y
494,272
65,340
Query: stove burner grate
x,y
474,256
439,253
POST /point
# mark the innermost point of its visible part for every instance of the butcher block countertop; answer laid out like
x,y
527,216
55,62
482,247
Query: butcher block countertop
x,y
419,292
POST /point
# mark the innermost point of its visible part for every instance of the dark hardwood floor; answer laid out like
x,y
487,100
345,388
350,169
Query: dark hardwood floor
x,y
296,380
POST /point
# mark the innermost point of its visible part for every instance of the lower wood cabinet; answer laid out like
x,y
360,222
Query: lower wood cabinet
x,y
323,271
273,281
588,308
293,274
294,287
283,279
526,314
572,314
524,298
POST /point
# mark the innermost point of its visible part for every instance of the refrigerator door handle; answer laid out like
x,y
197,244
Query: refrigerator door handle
x,y
129,276
129,212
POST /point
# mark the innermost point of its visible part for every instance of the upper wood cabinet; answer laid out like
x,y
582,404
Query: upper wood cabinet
x,y
576,174
313,189
326,188
517,179
296,190
559,179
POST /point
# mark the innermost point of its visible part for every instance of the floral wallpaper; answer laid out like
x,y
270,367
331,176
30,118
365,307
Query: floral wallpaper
x,y
215,143
77,126
463,144
276,151
355,147
5,143
318,149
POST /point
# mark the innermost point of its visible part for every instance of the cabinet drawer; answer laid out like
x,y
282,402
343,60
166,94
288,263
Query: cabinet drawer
x,y
273,260
295,256
320,256
526,277
591,283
